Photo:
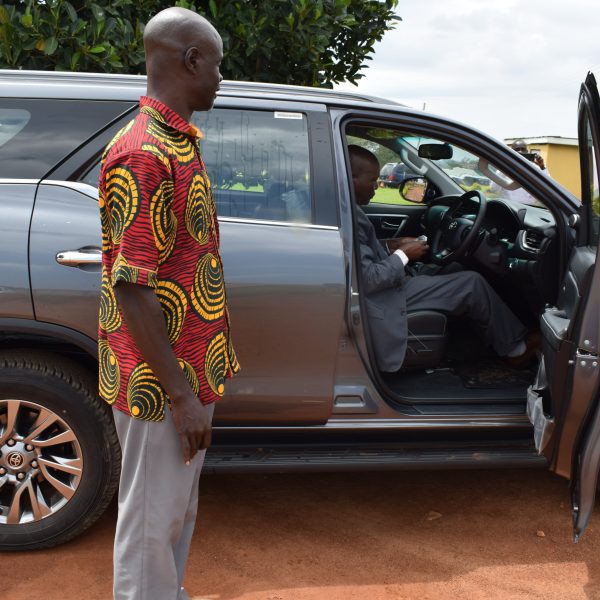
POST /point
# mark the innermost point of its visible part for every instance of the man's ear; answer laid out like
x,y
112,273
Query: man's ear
x,y
191,58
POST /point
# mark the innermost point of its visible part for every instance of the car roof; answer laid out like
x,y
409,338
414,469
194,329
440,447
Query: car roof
x,y
104,86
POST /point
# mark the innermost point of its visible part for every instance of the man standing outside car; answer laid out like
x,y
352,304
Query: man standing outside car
x,y
164,345
520,146
520,194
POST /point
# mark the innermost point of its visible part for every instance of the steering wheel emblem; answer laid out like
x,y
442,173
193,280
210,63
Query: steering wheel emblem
x,y
15,460
453,225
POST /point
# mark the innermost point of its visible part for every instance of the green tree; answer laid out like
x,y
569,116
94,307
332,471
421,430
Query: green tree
x,y
304,42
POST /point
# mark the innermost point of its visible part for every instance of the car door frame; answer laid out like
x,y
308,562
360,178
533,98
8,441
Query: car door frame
x,y
562,204
572,445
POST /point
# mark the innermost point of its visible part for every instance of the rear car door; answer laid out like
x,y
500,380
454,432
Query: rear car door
x,y
271,169
563,403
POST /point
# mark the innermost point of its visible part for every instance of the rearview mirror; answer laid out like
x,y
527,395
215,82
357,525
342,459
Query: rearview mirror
x,y
435,151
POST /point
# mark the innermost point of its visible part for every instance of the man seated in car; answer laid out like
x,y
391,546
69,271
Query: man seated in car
x,y
391,291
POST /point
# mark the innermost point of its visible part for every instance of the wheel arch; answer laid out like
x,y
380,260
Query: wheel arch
x,y
24,334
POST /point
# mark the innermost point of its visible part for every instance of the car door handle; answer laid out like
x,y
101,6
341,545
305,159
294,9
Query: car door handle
x,y
79,258
387,225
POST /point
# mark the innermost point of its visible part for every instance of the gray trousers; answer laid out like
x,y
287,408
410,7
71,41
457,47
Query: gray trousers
x,y
467,294
158,501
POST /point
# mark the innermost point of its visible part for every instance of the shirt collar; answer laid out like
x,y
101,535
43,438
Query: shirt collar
x,y
161,112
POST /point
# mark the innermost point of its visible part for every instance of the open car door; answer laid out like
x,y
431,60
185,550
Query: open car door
x,y
563,402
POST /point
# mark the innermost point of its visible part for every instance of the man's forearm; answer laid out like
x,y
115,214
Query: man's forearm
x,y
144,318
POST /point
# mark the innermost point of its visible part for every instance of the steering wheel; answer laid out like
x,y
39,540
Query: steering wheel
x,y
455,234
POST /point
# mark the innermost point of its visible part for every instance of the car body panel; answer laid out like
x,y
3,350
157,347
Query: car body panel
x,y
66,220
16,204
286,292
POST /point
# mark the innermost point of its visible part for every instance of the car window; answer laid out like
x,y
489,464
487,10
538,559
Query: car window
x,y
258,163
471,172
392,175
35,134
460,168
592,191
12,120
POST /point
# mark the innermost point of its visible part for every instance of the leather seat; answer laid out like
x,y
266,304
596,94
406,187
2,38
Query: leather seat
x,y
426,339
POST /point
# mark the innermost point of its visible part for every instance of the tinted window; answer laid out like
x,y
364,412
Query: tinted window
x,y
12,120
591,189
36,134
258,162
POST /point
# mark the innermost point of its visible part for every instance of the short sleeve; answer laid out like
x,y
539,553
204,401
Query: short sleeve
x,y
136,187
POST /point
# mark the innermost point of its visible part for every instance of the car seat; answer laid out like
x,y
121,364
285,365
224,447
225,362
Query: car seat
x,y
426,339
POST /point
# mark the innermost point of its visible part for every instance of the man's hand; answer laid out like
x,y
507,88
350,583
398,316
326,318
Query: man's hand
x,y
193,424
539,161
394,244
413,248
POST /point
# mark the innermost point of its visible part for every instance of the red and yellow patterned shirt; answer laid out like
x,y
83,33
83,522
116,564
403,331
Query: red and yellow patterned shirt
x,y
160,229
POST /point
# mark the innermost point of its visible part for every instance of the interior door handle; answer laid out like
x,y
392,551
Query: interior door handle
x,y
79,258
387,225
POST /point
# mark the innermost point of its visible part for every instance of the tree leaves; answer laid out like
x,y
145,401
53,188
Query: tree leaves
x,y
306,42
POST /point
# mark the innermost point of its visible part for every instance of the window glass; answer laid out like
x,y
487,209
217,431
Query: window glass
x,y
403,158
593,191
258,163
35,134
12,120
394,171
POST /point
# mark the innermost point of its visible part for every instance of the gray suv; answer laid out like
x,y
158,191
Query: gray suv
x,y
309,396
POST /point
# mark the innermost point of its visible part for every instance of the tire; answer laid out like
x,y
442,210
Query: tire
x,y
53,488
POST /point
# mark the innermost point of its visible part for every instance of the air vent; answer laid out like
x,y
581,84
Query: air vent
x,y
533,240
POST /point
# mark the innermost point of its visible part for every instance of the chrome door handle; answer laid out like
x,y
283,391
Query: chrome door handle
x,y
81,257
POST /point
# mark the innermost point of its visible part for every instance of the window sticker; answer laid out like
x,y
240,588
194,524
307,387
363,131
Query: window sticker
x,y
288,115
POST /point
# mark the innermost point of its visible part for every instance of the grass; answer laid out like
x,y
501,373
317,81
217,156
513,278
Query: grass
x,y
390,196
382,195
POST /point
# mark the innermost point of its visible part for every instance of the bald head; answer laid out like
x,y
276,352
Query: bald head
x,y
171,32
183,55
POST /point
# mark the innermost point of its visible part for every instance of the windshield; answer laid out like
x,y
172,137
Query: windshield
x,y
466,169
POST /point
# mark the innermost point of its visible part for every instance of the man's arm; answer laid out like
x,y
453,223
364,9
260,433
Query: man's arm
x,y
143,314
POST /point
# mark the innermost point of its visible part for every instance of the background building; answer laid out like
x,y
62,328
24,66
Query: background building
x,y
561,155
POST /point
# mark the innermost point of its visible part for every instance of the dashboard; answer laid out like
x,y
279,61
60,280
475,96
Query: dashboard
x,y
517,247
525,231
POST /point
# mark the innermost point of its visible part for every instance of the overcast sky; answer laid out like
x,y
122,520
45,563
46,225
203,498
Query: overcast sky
x,y
511,68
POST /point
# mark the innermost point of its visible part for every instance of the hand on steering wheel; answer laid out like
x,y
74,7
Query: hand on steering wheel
x,y
455,234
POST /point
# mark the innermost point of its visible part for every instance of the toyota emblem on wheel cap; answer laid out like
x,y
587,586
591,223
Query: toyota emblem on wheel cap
x,y
14,460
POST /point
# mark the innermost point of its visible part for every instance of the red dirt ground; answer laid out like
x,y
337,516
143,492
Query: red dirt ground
x,y
377,536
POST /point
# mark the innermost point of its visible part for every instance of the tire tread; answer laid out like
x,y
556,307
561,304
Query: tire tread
x,y
83,381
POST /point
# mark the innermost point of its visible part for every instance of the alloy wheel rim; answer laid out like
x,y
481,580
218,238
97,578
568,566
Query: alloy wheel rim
x,y
41,462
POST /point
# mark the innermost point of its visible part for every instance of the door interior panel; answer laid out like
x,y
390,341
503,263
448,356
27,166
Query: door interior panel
x,y
554,325
577,278
557,322
394,220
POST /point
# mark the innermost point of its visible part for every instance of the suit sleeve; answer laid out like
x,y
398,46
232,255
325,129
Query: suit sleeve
x,y
378,273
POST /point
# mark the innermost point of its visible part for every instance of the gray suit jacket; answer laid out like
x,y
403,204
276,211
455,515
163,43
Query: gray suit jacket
x,y
383,281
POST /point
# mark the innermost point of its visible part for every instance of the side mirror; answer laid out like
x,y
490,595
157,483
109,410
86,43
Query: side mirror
x,y
435,151
413,189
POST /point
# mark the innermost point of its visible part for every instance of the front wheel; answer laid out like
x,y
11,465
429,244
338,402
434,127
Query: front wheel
x,y
59,453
